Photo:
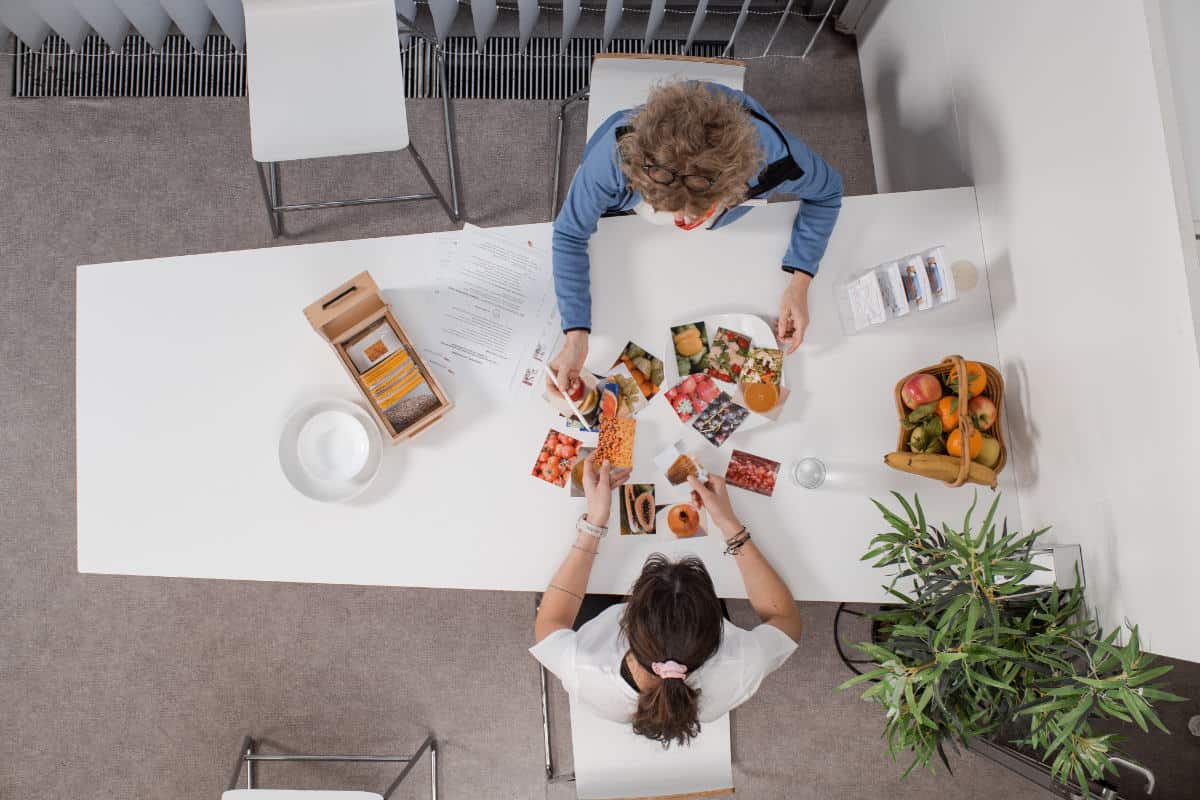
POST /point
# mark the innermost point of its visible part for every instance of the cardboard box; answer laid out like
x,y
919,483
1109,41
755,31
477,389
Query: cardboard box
x,y
402,393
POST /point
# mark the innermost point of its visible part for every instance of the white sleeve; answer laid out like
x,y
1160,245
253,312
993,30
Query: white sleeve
x,y
764,649
557,653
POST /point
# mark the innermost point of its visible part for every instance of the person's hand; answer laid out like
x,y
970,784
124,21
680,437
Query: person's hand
x,y
793,312
598,482
713,496
567,365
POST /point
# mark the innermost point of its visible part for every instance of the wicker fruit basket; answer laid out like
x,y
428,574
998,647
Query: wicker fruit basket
x,y
953,470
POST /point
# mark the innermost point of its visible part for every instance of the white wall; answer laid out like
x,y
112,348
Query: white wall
x,y
1052,111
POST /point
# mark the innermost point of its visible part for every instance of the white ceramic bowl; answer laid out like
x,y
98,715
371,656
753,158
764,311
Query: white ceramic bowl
x,y
330,450
333,446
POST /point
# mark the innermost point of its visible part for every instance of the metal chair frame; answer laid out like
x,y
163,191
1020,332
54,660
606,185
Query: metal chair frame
x,y
270,183
247,756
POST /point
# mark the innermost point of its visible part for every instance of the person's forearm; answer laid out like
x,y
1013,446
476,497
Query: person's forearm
x,y
768,594
572,282
564,595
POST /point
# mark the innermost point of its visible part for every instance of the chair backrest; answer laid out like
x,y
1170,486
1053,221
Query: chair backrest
x,y
622,81
324,78
612,762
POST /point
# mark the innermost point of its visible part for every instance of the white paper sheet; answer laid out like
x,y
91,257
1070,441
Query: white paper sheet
x,y
496,314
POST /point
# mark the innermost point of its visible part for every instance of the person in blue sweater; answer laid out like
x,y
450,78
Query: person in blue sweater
x,y
691,157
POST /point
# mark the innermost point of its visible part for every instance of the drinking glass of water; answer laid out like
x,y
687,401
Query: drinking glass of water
x,y
809,472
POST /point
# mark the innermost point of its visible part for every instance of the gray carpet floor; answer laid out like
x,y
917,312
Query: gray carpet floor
x,y
136,687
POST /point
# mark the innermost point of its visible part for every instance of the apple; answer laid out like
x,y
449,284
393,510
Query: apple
x,y
920,389
982,411
989,454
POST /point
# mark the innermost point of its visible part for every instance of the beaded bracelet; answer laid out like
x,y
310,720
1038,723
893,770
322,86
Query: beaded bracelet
x,y
733,544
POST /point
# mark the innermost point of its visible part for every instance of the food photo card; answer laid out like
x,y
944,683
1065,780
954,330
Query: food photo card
x,y
727,355
646,369
682,520
752,473
691,348
691,396
638,511
616,441
372,346
631,398
577,471
720,419
556,457
583,408
764,399
763,365
677,463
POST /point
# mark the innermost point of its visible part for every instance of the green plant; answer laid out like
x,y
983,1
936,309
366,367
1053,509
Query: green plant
x,y
973,648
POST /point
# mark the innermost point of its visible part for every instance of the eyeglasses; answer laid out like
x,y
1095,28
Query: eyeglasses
x,y
665,177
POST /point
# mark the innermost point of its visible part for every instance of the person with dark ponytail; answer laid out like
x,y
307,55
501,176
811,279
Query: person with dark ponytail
x,y
666,660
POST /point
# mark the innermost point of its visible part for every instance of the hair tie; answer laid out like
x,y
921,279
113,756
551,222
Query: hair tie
x,y
669,669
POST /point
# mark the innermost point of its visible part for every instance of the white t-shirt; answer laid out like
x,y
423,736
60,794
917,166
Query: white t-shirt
x,y
588,662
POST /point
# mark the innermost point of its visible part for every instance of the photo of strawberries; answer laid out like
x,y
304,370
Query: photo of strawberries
x,y
556,458
691,396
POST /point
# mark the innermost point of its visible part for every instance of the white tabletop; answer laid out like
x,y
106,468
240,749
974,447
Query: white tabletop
x,y
188,367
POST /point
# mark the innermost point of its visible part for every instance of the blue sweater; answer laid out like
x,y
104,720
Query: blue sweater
x,y
600,187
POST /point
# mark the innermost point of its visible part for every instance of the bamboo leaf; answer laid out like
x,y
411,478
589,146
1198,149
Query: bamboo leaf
x,y
1131,703
1145,676
863,678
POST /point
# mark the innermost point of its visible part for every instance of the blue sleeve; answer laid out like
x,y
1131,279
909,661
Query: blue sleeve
x,y
820,189
598,185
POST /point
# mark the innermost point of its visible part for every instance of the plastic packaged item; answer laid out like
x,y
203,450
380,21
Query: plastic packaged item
x,y
893,289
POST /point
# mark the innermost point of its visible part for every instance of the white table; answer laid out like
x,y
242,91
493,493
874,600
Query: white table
x,y
187,368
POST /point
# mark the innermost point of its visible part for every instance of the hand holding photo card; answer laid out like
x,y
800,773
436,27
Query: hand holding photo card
x,y
691,396
751,472
616,441
637,509
577,472
677,464
645,368
583,407
720,419
691,348
556,458
727,354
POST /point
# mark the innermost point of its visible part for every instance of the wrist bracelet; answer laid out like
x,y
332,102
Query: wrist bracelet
x,y
583,526
734,543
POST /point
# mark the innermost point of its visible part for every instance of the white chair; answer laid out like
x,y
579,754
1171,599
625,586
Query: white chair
x,y
248,756
614,763
619,81
325,78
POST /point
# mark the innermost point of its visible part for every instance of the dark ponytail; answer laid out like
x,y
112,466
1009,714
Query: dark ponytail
x,y
673,614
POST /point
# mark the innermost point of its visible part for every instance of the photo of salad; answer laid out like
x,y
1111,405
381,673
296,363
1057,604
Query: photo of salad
x,y
727,354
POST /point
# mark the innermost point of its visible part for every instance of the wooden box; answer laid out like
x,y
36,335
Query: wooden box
x,y
404,396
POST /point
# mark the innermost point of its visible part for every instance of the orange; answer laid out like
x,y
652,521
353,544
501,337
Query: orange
x,y
974,443
947,410
760,397
976,378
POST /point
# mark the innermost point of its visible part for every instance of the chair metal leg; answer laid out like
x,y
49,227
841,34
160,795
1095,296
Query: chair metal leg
x,y
558,146
546,726
429,744
266,192
451,151
244,749
433,186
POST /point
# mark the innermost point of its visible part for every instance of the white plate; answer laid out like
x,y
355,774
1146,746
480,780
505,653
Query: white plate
x,y
330,450
761,335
